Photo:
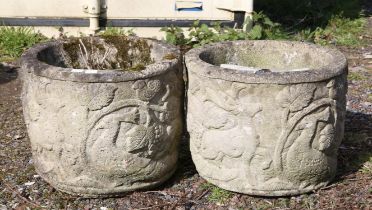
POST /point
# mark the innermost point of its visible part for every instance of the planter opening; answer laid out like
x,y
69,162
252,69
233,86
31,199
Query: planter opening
x,y
275,57
104,53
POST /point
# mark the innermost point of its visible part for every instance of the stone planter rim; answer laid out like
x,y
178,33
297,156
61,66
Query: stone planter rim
x,y
29,60
205,69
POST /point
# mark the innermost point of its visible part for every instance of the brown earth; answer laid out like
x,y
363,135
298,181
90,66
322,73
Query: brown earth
x,y
22,188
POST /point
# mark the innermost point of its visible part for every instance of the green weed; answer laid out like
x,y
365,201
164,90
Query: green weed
x,y
340,31
201,34
4,58
362,159
361,162
322,22
356,76
14,40
174,35
265,28
217,194
299,15
111,31
367,165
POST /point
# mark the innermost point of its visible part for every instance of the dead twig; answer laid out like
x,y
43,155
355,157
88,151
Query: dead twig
x,y
83,57
328,187
105,55
202,195
85,49
7,186
365,179
84,54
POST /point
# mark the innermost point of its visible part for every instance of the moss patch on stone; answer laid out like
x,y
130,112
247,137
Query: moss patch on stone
x,y
169,56
138,67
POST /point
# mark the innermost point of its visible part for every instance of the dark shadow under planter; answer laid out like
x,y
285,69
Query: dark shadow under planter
x,y
7,73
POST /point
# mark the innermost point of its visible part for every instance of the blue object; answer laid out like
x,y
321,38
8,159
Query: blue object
x,y
195,9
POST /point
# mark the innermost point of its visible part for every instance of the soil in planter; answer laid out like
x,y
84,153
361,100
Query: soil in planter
x,y
107,52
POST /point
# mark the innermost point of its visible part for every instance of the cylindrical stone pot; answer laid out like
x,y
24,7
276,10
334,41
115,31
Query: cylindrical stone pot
x,y
98,133
271,127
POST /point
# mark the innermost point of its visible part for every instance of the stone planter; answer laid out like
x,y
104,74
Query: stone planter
x,y
271,128
103,132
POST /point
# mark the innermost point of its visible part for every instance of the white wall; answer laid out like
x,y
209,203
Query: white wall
x,y
122,9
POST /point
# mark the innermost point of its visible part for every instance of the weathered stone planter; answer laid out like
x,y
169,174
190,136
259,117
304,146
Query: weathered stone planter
x,y
269,132
103,132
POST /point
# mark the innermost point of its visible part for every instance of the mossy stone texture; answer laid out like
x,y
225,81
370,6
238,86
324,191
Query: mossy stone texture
x,y
272,131
98,133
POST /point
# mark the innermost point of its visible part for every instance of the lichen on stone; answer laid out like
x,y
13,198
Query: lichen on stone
x,y
169,56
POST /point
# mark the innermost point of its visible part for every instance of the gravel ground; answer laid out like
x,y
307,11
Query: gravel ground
x,y
22,188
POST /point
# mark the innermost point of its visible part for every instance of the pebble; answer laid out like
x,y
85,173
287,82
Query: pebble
x,y
367,104
29,183
17,136
15,205
367,56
